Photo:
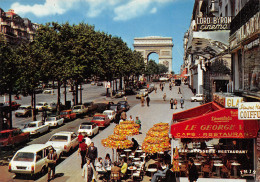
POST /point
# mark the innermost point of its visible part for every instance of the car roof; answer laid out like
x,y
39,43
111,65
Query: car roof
x,y
6,131
41,102
109,110
87,123
34,121
33,148
25,105
64,133
100,114
68,110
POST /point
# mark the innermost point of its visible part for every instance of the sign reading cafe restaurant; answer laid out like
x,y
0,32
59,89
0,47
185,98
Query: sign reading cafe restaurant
x,y
213,23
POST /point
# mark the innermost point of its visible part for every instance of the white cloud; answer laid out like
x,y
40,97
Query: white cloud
x,y
154,10
123,9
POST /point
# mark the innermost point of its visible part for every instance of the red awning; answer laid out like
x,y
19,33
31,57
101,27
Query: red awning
x,y
212,121
184,73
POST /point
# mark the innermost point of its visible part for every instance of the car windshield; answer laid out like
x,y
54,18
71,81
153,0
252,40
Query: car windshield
x,y
31,125
77,107
22,108
4,135
24,156
40,104
51,119
64,113
107,113
113,107
61,138
85,127
98,118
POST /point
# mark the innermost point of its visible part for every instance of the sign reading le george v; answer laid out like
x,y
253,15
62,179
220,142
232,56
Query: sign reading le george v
x,y
213,23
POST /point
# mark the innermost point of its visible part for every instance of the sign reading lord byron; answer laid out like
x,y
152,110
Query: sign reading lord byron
x,y
249,111
213,23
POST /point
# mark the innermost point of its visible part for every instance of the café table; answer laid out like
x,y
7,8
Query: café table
x,y
218,165
152,171
132,169
235,164
127,151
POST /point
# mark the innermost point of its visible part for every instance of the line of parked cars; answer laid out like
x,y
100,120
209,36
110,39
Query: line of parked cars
x,y
32,159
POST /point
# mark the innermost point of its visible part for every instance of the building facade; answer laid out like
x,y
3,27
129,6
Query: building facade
x,y
15,29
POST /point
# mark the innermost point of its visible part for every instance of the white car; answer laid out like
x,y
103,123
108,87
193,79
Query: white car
x,y
79,109
41,105
36,127
48,91
65,141
88,129
31,159
54,120
111,114
197,97
24,110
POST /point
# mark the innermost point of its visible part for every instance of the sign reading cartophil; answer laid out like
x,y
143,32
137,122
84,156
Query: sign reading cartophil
x,y
213,23
249,111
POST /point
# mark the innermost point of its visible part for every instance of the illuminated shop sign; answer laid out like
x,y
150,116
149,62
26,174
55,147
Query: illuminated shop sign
x,y
213,151
249,111
227,102
213,23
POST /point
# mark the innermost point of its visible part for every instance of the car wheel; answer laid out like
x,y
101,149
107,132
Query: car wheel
x,y
195,100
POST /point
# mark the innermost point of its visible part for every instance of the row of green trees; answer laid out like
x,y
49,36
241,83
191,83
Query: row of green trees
x,y
62,52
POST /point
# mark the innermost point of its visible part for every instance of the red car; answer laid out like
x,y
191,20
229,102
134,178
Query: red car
x,y
68,115
101,120
12,137
14,105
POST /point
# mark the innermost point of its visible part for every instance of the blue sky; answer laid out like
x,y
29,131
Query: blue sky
x,y
123,18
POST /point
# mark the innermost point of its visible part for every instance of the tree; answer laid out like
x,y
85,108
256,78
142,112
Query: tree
x,y
162,69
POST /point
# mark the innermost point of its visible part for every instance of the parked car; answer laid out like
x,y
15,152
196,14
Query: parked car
x,y
120,93
93,83
88,129
65,141
111,114
91,106
12,137
14,105
79,109
48,91
24,110
116,108
68,115
54,120
31,159
197,97
36,127
124,105
101,120
52,106
41,105
130,91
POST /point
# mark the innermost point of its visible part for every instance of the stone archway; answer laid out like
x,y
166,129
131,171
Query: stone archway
x,y
159,45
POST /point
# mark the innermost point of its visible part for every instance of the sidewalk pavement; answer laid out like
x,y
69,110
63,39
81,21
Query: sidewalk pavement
x,y
159,111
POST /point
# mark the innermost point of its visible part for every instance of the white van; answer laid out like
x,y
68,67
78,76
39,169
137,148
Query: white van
x,y
31,159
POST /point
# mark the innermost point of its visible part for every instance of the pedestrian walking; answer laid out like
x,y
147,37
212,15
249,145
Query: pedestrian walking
x,y
182,102
142,100
88,171
164,96
192,171
52,159
44,114
92,153
162,87
147,100
80,137
175,103
170,86
179,92
123,116
125,98
155,89
138,121
171,102
83,151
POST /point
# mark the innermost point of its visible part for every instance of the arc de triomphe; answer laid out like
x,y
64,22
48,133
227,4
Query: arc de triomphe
x,y
160,45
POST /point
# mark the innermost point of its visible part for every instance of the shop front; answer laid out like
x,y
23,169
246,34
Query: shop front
x,y
222,145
